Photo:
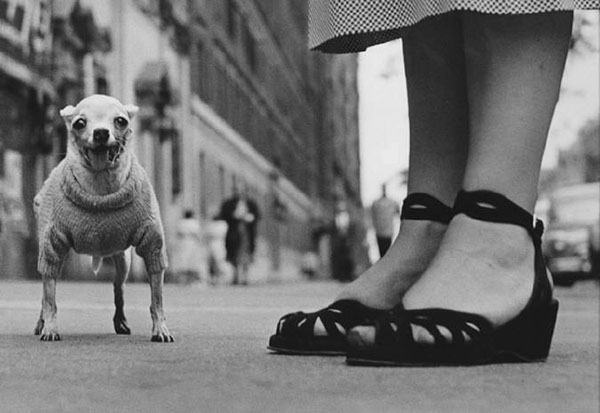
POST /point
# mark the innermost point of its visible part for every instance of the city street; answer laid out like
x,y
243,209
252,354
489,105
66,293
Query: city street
x,y
219,362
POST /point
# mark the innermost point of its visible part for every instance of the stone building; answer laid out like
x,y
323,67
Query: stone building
x,y
291,135
26,91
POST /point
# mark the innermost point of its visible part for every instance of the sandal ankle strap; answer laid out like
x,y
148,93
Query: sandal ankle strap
x,y
494,207
422,206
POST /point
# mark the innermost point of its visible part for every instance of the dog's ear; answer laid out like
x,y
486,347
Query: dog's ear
x,y
67,113
131,110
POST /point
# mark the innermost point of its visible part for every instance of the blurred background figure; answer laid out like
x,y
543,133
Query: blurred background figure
x,y
241,215
342,260
215,233
309,265
187,262
383,212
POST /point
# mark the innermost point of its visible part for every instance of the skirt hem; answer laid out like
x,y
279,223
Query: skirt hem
x,y
358,40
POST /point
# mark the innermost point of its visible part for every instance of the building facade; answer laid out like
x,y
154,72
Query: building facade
x,y
230,100
26,92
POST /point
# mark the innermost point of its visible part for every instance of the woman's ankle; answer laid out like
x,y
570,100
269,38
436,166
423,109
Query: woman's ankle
x,y
504,245
481,267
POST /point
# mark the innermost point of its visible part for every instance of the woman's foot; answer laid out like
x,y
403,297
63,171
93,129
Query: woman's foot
x,y
484,268
424,220
486,296
384,284
364,300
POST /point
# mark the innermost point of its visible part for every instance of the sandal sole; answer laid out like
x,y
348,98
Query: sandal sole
x,y
294,352
316,347
501,357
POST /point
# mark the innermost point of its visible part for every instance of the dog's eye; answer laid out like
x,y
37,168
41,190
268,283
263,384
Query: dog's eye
x,y
79,124
121,122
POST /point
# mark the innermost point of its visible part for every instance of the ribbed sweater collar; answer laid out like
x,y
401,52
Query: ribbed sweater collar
x,y
75,192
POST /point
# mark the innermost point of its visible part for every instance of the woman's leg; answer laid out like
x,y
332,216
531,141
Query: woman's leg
x,y
437,100
514,70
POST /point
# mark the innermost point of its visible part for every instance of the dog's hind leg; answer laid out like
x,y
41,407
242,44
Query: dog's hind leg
x,y
122,262
160,332
47,326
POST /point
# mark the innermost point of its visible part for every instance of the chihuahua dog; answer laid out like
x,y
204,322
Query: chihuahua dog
x,y
99,201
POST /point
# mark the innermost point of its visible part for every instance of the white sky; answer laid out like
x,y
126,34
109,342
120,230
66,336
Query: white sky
x,y
383,112
383,117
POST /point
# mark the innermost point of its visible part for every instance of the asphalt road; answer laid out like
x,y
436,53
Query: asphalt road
x,y
219,362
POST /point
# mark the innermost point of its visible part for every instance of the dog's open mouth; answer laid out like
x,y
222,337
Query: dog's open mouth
x,y
102,155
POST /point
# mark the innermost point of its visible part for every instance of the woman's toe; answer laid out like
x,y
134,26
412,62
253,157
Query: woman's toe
x,y
361,336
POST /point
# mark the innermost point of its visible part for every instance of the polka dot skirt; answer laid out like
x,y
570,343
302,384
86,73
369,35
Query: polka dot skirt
x,y
344,26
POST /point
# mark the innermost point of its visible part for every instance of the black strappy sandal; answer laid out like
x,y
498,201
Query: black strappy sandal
x,y
474,340
295,332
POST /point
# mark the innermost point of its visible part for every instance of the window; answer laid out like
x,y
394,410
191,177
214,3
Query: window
x,y
176,165
203,191
221,182
12,19
198,67
4,10
232,19
250,48
2,167
101,85
221,96
211,71
235,188
19,17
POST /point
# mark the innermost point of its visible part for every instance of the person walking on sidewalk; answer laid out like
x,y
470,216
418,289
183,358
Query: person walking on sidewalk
x,y
241,214
467,284
383,212
188,257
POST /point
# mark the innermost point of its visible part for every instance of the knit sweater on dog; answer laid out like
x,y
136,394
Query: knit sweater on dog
x,y
101,225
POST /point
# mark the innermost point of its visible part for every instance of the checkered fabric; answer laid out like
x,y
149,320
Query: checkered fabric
x,y
343,26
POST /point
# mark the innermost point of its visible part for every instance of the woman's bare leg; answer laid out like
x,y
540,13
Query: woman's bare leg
x,y
436,85
514,70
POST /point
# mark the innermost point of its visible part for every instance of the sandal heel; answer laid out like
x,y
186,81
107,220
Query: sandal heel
x,y
527,338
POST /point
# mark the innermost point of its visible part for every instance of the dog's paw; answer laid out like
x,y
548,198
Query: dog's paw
x,y
50,337
49,332
162,338
161,334
121,326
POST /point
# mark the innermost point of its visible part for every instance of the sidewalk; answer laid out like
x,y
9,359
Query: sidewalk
x,y
219,362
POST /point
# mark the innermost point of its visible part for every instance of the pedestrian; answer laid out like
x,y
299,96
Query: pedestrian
x,y
215,233
188,261
342,260
467,284
383,212
241,215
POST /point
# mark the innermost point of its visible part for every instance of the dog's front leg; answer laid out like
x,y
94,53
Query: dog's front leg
x,y
160,332
122,262
47,326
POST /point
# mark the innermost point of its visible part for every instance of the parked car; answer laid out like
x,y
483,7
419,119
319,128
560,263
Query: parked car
x,y
572,238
